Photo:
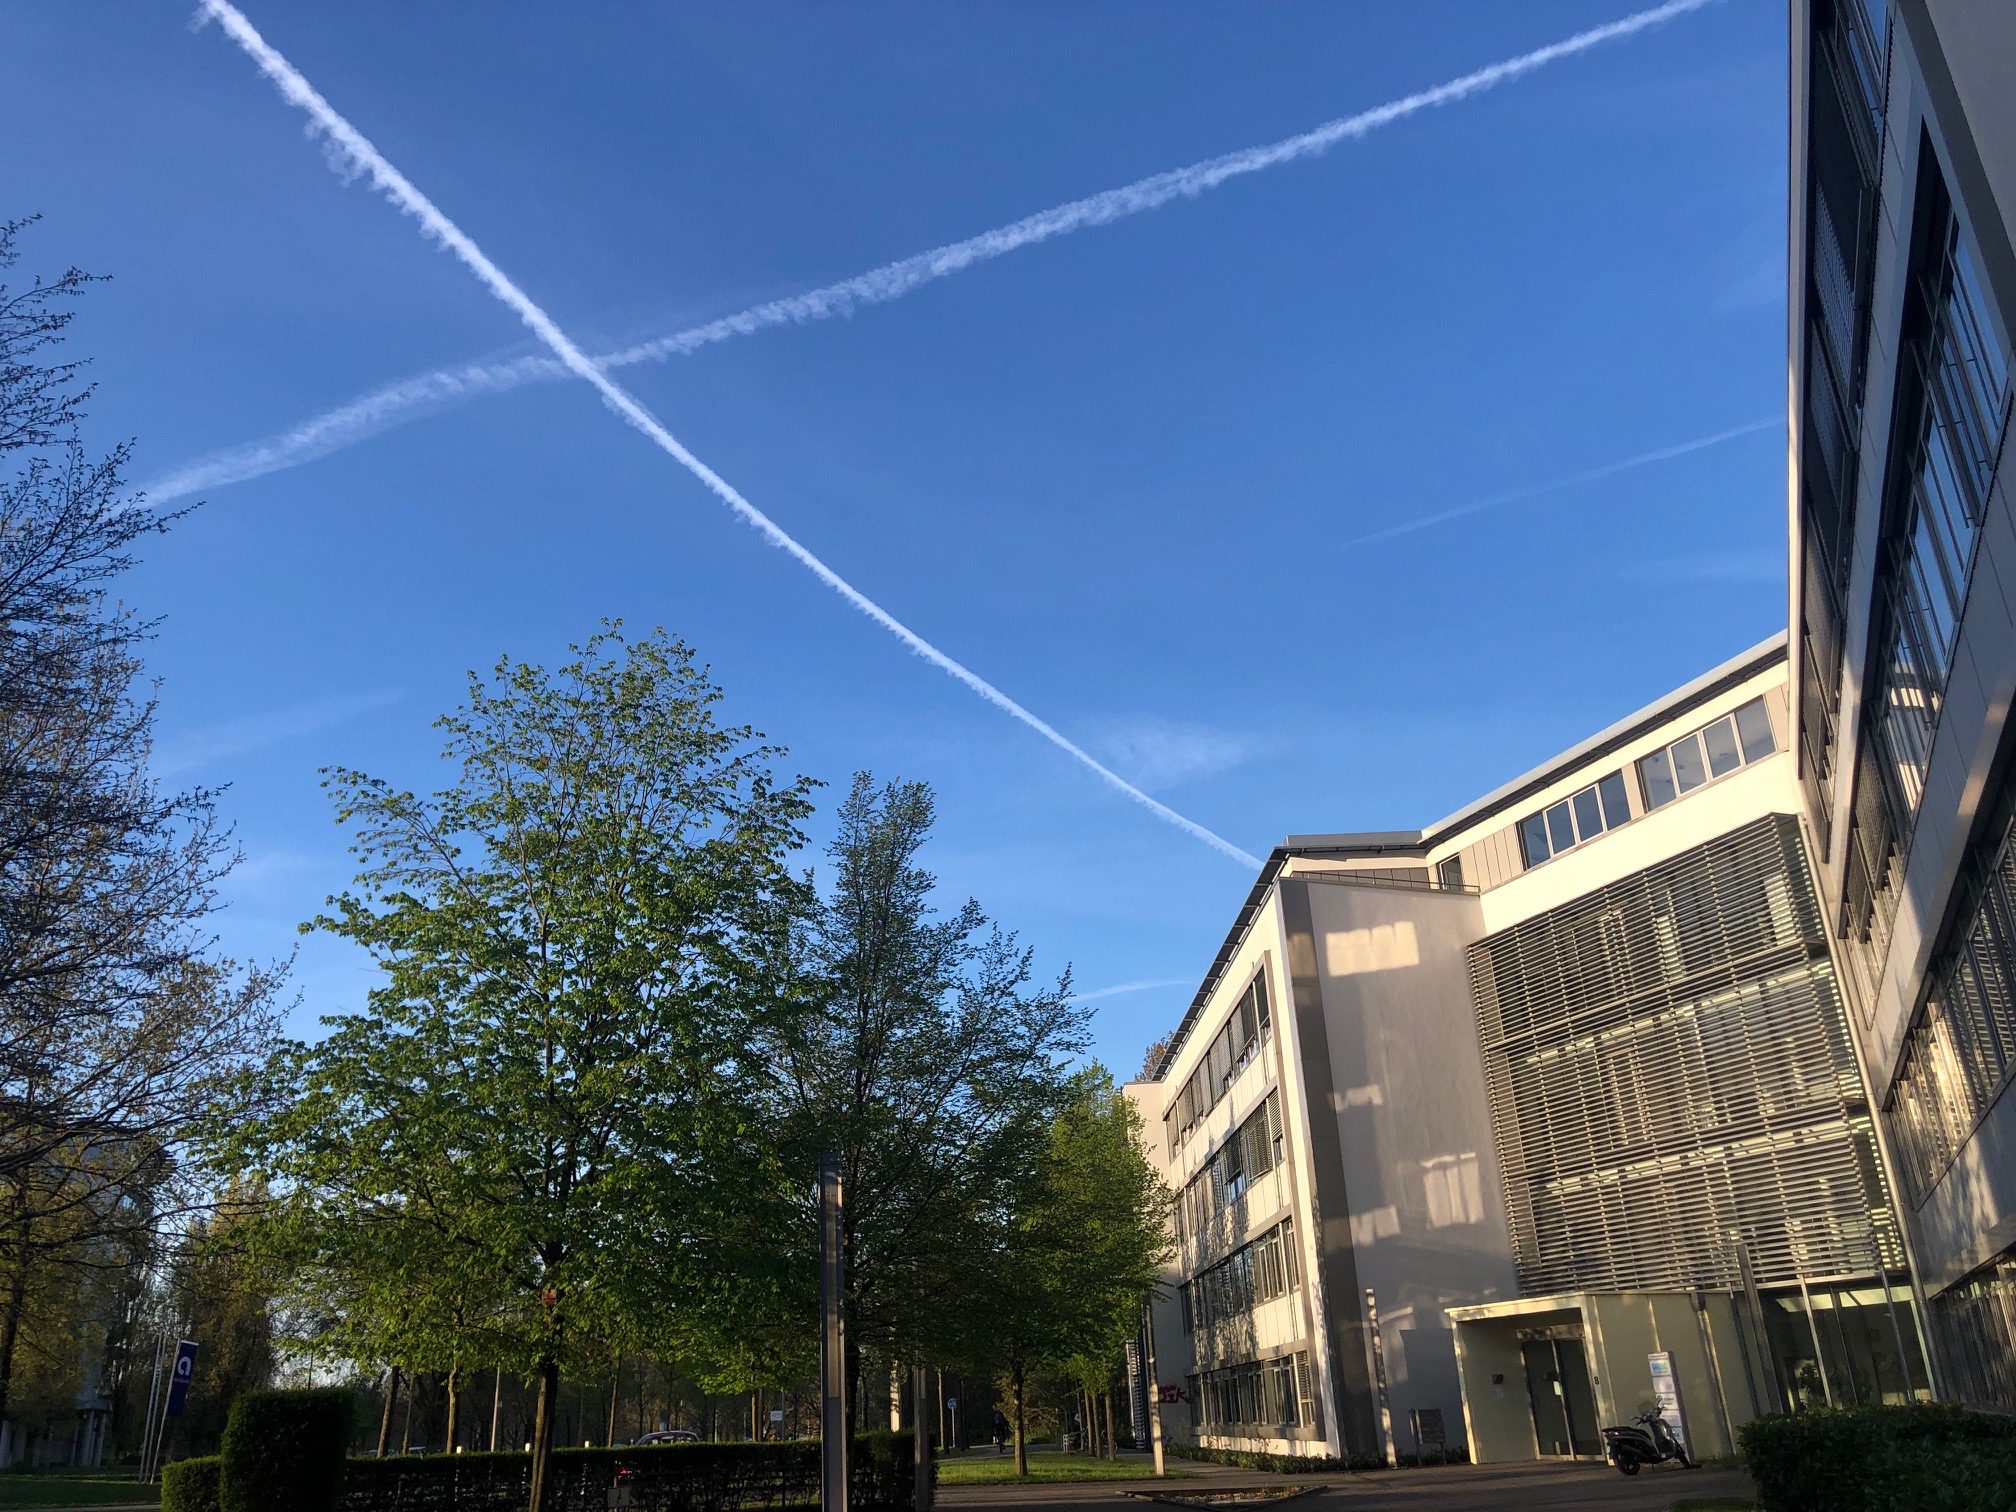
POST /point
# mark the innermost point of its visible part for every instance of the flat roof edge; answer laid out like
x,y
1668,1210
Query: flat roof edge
x,y
1735,669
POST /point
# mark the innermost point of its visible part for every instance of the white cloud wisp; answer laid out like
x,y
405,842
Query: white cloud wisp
x,y
349,151
408,399
1555,485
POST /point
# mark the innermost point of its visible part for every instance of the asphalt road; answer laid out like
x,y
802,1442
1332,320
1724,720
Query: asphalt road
x,y
1456,1488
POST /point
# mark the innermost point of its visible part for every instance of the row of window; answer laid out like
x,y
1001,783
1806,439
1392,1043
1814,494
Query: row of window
x,y
1952,410
1274,1393
1575,820
1714,750
1254,1273
1254,1149
1976,1322
1698,757
1961,1051
1247,1027
1845,126
1955,399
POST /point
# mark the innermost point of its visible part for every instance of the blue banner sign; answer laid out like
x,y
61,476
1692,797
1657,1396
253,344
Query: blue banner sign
x,y
178,1383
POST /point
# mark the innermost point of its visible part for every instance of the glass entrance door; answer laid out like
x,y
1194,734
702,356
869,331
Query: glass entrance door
x,y
1557,1389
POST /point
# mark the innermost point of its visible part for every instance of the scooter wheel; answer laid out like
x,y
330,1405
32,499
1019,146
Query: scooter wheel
x,y
1628,1465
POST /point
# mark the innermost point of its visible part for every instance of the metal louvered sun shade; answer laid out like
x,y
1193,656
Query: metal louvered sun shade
x,y
1669,1072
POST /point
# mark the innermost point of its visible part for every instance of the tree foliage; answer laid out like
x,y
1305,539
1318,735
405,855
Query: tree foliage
x,y
547,1110
926,1056
1079,1252
119,1028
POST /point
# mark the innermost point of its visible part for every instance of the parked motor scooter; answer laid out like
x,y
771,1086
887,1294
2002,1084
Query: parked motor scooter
x,y
1645,1440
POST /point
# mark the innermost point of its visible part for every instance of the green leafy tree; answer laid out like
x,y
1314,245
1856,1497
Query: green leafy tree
x,y
580,942
930,1061
219,1299
1079,1251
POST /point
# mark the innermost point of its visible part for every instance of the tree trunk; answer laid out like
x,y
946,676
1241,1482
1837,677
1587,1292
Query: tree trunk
x,y
615,1381
542,1430
1107,1397
454,1383
1021,1436
385,1418
10,1328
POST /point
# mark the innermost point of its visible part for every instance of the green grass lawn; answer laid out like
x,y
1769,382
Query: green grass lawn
x,y
73,1488
1049,1468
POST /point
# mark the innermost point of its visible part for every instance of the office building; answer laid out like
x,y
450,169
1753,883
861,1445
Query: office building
x,y
1903,593
1467,1124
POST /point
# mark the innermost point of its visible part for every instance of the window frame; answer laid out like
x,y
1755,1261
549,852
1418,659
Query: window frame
x,y
1664,762
1541,822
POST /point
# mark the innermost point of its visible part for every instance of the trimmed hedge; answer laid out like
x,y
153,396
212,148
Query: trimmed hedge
x,y
658,1478
1931,1458
285,1449
191,1485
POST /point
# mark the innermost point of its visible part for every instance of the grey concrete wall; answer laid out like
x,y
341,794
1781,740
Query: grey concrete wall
x,y
1423,1196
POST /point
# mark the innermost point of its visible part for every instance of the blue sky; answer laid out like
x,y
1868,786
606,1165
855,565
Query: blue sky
x,y
1120,474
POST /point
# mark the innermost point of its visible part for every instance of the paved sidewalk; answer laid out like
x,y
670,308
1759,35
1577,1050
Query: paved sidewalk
x,y
1453,1488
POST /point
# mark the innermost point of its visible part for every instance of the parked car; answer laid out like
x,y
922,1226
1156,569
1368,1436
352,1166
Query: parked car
x,y
669,1436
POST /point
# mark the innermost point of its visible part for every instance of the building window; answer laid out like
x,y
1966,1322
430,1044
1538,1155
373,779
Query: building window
x,y
1953,408
1247,1027
1259,1394
1255,1148
1976,1322
1699,757
1575,820
1252,1274
1449,872
1960,1053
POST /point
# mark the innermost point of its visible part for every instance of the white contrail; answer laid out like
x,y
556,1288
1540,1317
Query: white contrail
x,y
350,151
1535,490
385,407
1120,988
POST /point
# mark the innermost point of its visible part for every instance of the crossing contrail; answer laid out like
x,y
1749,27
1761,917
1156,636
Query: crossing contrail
x,y
1536,490
409,398
351,151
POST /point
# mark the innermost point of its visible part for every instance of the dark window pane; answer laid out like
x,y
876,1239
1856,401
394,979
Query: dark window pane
x,y
1689,770
1655,776
1723,757
1588,816
1533,840
1616,808
1754,726
1450,872
1560,829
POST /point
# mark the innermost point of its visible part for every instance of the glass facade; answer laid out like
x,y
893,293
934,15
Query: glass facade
x,y
1952,413
1846,105
1974,1323
1846,1346
1961,1049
